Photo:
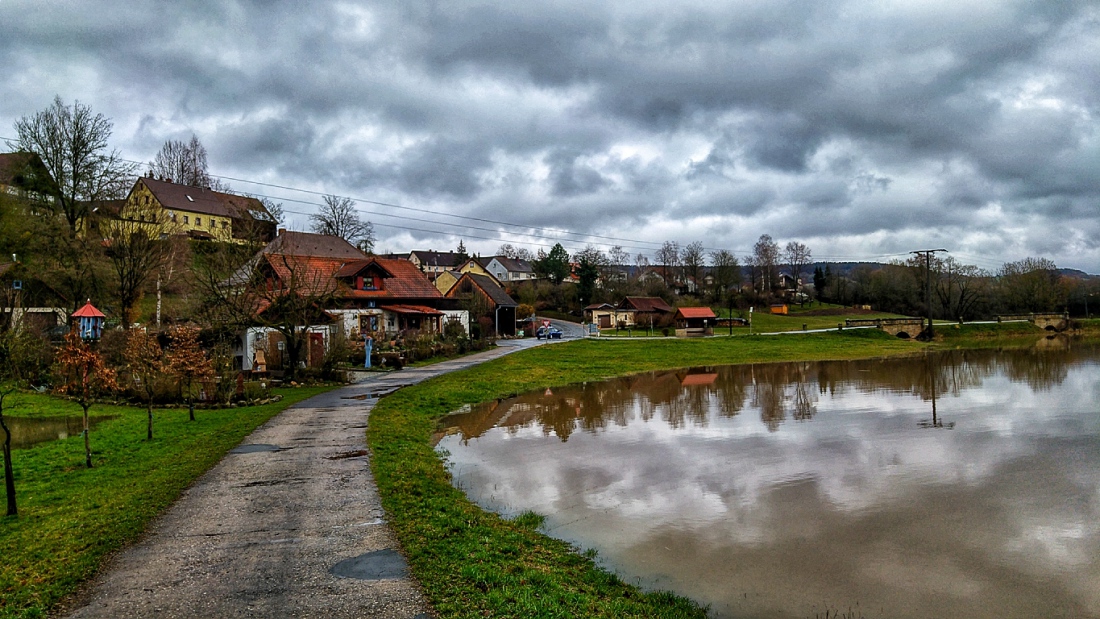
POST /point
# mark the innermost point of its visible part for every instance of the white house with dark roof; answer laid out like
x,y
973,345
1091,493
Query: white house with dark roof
x,y
508,270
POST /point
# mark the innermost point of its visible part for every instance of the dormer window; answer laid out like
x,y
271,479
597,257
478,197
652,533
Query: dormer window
x,y
369,282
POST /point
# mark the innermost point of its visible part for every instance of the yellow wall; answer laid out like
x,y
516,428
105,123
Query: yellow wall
x,y
181,221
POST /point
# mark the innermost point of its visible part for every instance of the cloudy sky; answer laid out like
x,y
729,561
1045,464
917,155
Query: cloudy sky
x,y
863,129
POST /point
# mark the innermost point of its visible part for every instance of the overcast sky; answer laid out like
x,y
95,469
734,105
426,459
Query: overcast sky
x,y
863,129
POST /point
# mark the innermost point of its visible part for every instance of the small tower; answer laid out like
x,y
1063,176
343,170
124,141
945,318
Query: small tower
x,y
89,322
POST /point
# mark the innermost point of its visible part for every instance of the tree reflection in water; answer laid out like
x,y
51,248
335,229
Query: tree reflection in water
x,y
779,391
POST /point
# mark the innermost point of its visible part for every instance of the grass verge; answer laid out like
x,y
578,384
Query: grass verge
x,y
476,564
71,517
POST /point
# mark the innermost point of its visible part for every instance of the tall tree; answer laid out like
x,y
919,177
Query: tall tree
x,y
727,273
188,362
668,259
72,142
137,251
798,257
185,163
553,266
692,259
765,253
20,356
460,253
516,253
84,375
339,217
145,362
1029,285
588,272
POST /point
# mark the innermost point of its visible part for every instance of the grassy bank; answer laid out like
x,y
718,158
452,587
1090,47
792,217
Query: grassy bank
x,y
475,564
71,517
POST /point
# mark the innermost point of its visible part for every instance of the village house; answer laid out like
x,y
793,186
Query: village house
x,y
608,316
362,295
432,263
447,279
648,311
486,298
197,212
23,174
509,270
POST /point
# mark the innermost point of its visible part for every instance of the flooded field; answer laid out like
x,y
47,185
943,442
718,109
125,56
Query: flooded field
x,y
27,431
960,484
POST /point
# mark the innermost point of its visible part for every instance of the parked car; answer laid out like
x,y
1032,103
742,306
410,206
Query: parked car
x,y
548,333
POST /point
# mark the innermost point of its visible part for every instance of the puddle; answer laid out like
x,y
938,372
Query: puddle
x,y
378,565
254,448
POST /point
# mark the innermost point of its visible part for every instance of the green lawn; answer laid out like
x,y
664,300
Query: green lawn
x,y
71,517
476,564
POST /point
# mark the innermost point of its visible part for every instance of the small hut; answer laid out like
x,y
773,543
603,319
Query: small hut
x,y
89,322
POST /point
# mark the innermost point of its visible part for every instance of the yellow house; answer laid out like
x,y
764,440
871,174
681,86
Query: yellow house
x,y
447,279
198,212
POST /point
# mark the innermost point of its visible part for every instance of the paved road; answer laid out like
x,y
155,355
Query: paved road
x,y
569,330
288,524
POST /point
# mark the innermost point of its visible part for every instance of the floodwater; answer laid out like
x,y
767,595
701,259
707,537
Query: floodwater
x,y
28,431
958,484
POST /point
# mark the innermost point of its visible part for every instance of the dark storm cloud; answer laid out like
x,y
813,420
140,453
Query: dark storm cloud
x,y
832,121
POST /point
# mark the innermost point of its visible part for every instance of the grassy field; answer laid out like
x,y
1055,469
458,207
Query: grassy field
x,y
476,564
764,322
71,517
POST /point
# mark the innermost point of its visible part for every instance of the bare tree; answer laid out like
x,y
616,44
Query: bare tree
x,y
691,257
137,246
338,217
798,257
185,163
516,253
72,143
727,272
668,257
766,258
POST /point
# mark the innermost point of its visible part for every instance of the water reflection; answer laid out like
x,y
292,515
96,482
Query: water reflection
x,y
28,431
777,490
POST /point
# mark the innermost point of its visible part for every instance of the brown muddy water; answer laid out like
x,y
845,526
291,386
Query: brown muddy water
x,y
29,431
959,484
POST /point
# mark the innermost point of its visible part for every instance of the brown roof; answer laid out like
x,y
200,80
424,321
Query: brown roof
x,y
14,168
316,245
488,285
513,265
174,196
646,304
437,258
405,281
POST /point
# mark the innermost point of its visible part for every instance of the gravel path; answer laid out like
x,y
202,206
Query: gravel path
x,y
288,524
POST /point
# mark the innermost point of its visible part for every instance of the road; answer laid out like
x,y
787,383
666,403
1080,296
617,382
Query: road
x,y
288,524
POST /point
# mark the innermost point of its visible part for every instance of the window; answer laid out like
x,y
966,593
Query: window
x,y
212,222
198,221
368,324
369,283
185,218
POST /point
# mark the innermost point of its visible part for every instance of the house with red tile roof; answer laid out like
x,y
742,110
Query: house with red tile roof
x,y
357,294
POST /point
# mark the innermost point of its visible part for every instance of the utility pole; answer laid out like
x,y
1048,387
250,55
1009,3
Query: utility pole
x,y
928,333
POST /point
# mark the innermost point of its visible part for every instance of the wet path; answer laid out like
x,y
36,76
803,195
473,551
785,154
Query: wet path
x,y
288,524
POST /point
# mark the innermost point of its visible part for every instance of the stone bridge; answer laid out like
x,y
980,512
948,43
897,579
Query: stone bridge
x,y
1049,322
901,327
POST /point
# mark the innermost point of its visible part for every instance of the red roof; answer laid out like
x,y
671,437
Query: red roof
x,y
405,280
88,311
695,312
